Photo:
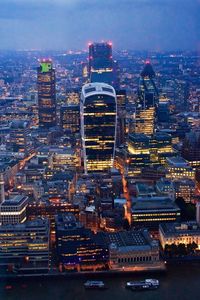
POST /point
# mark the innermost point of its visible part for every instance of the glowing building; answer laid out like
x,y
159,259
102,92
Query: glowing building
x,y
98,126
147,101
70,118
20,136
46,94
101,62
179,233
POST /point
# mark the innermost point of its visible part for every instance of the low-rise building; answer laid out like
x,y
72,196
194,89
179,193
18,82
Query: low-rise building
x,y
129,250
150,211
179,233
25,247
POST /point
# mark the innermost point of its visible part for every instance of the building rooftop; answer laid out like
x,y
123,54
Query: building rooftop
x,y
136,238
67,221
16,200
27,225
180,228
177,162
91,89
153,203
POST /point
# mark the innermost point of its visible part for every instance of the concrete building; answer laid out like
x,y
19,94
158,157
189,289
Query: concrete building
x,y
150,211
179,233
131,250
25,247
13,210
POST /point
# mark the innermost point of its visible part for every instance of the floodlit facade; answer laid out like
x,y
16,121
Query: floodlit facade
x,y
179,233
98,126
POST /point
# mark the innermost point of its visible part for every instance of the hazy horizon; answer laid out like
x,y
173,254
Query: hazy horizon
x,y
152,25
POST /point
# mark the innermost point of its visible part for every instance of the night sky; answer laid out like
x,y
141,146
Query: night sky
x,y
70,24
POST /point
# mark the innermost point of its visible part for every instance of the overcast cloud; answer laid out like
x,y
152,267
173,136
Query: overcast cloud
x,y
70,24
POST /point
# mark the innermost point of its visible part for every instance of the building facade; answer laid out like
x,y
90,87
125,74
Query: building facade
x,y
25,247
98,126
46,94
101,63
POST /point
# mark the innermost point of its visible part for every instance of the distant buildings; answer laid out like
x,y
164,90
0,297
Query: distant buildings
x,y
150,211
46,94
98,126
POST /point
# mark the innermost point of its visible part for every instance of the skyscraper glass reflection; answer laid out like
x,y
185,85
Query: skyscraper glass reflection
x,y
98,126
147,101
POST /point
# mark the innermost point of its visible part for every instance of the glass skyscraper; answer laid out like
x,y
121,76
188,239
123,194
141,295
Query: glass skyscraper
x,y
147,102
46,94
101,68
98,126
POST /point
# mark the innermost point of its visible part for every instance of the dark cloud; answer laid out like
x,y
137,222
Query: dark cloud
x,y
136,24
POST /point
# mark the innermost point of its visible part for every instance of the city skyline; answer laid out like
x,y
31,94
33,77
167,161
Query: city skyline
x,y
139,25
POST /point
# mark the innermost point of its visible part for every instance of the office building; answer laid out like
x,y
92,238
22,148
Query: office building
x,y
13,210
46,94
76,245
101,63
25,247
70,118
190,148
147,102
20,137
179,168
98,126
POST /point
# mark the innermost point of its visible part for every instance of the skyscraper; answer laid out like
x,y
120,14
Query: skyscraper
x,y
101,63
98,126
147,102
46,94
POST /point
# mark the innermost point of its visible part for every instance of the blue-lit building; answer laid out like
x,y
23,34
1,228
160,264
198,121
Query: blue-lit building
x,y
76,246
101,66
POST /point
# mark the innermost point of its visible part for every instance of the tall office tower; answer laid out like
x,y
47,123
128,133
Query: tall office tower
x,y
46,94
101,63
147,102
70,118
121,117
98,126
20,137
2,190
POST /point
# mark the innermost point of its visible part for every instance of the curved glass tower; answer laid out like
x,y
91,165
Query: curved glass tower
x,y
98,126
147,101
